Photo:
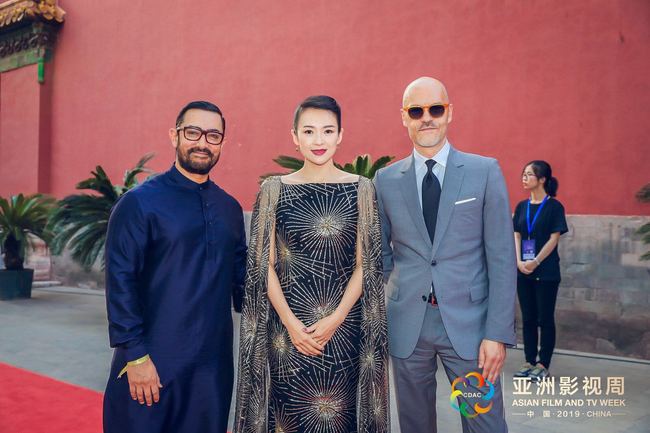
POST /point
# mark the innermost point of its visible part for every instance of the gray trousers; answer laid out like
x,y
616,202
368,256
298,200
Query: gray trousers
x,y
415,383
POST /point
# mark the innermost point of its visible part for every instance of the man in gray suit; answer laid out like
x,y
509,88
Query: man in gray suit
x,y
449,268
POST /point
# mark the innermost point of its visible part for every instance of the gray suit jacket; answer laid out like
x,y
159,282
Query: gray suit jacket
x,y
471,262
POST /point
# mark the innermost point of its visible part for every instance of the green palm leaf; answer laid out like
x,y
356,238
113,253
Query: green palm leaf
x,y
380,163
130,179
289,162
284,161
362,165
80,221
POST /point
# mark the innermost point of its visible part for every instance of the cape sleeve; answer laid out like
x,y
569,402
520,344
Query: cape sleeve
x,y
372,394
253,379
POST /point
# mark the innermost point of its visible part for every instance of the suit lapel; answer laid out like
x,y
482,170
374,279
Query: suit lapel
x,y
450,188
410,193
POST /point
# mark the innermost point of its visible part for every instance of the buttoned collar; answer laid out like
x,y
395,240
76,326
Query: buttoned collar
x,y
178,178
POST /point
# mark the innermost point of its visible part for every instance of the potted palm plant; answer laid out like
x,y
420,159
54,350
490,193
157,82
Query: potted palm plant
x,y
21,219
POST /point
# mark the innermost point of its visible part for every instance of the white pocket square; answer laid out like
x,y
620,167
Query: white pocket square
x,y
467,200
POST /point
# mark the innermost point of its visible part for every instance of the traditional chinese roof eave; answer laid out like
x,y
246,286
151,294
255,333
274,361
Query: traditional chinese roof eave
x,y
16,13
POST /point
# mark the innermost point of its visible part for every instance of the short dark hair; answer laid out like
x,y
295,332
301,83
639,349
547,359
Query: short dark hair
x,y
542,169
319,102
200,105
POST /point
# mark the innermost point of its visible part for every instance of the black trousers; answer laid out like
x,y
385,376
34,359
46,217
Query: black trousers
x,y
537,302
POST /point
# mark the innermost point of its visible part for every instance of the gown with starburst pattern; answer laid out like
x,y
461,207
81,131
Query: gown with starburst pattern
x,y
316,237
279,390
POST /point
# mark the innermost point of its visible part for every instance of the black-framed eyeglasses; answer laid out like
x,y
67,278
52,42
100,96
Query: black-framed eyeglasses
x,y
194,133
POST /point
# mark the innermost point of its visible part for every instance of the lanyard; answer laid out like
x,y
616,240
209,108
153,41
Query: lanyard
x,y
539,210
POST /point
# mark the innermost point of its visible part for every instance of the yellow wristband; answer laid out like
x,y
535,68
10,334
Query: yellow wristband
x,y
132,363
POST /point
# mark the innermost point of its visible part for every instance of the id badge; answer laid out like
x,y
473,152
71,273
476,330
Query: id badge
x,y
528,249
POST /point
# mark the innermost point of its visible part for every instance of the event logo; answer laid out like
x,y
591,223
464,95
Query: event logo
x,y
465,391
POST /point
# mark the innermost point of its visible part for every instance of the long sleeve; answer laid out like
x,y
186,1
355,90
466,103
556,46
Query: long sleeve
x,y
125,245
500,257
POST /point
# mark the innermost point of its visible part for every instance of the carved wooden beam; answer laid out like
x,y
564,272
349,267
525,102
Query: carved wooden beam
x,y
28,31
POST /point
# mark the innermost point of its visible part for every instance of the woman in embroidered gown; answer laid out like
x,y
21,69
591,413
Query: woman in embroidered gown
x,y
313,349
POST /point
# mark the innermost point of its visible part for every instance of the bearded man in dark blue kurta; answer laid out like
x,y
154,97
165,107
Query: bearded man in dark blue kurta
x,y
175,256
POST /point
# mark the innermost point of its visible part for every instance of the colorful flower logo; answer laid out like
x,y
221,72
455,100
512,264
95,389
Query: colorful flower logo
x,y
466,382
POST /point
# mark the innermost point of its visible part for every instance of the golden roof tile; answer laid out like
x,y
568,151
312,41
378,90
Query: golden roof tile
x,y
17,11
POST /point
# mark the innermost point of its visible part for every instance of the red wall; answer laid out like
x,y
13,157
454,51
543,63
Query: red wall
x,y
565,81
23,137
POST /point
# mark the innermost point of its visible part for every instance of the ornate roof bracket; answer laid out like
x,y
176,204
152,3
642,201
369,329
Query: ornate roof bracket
x,y
28,30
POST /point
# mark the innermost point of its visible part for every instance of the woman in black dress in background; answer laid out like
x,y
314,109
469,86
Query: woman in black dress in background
x,y
538,222
313,349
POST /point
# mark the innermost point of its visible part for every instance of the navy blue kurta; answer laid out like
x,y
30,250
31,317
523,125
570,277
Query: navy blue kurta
x,y
175,253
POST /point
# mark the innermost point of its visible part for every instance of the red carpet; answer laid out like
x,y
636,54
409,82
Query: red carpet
x,y
31,403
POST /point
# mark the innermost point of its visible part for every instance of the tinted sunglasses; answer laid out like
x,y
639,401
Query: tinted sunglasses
x,y
417,111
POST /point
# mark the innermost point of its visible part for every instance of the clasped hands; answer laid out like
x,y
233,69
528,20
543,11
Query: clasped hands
x,y
527,267
312,340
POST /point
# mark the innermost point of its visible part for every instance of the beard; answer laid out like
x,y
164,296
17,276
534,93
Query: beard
x,y
193,166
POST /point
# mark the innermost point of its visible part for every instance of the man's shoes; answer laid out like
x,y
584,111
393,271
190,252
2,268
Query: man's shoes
x,y
538,373
525,370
